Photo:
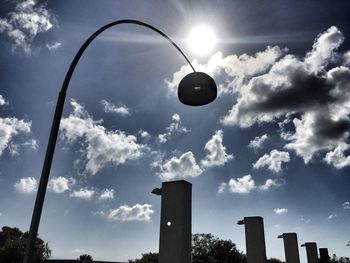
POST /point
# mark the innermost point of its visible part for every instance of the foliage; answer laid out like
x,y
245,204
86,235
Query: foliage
x,y
13,243
146,258
205,249
335,259
274,260
209,249
85,258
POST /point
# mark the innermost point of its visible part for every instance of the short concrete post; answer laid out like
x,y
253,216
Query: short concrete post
x,y
311,252
291,250
324,256
255,239
175,242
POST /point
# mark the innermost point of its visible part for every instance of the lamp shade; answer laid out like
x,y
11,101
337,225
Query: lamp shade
x,y
196,89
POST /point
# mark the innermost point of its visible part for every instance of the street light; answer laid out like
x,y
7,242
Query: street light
x,y
196,89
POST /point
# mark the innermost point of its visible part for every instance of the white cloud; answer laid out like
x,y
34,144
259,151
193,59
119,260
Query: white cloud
x,y
241,185
26,185
3,101
111,108
183,167
305,220
280,211
102,147
174,127
259,99
258,141
54,46
107,194
222,187
269,184
337,157
332,216
60,184
83,193
0,214
246,184
144,134
315,89
346,205
236,68
24,23
137,212
347,58
272,161
32,144
304,142
9,128
216,151
323,49
289,86
99,213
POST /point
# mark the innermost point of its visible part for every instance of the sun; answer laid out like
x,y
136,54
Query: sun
x,y
201,40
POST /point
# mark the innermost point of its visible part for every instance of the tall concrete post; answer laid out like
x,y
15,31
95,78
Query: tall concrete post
x,y
291,250
324,256
255,239
175,242
311,252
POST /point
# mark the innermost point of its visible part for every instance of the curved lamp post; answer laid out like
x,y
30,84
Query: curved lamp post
x,y
195,89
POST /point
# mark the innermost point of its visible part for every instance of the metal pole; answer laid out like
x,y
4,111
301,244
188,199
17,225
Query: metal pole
x,y
39,201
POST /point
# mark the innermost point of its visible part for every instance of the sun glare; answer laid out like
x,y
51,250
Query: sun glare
x,y
201,40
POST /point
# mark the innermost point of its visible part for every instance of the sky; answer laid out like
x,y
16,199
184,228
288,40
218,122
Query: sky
x,y
275,142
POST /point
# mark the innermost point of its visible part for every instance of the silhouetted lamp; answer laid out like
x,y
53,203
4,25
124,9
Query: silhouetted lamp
x,y
195,89
240,222
157,191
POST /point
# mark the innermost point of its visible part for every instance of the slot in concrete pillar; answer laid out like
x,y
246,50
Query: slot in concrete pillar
x,y
324,256
311,252
291,250
255,239
175,241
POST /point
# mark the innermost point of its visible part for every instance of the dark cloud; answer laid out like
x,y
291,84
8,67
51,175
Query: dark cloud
x,y
308,88
304,92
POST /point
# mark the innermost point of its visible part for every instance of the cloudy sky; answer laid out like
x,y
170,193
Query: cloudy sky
x,y
275,142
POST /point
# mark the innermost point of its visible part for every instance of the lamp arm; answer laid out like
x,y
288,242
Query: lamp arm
x,y
39,201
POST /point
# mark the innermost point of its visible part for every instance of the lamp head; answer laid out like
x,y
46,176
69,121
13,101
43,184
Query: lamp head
x,y
240,222
157,191
196,89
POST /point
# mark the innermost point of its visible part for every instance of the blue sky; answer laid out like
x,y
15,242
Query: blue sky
x,y
275,142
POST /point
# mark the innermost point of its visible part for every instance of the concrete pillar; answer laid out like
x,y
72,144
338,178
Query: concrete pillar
x,y
311,252
255,239
175,242
291,250
324,256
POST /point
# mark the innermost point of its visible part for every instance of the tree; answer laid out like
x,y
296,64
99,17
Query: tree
x,y
146,258
13,243
274,260
85,258
335,259
209,249
205,249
